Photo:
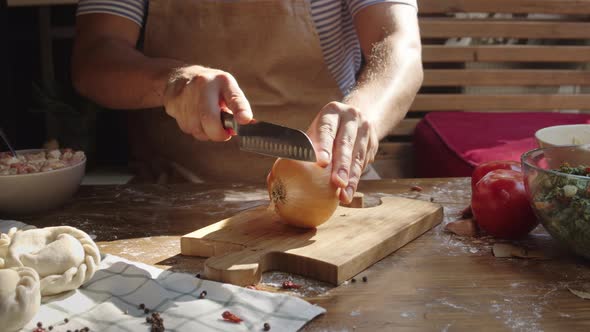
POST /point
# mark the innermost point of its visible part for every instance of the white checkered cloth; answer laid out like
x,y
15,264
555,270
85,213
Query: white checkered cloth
x,y
110,302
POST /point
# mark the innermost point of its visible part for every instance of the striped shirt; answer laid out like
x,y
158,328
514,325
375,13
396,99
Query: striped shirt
x,y
333,20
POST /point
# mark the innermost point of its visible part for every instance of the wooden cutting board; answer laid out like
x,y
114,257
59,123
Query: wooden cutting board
x,y
244,246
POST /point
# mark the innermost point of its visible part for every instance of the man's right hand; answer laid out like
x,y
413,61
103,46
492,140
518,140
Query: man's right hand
x,y
194,97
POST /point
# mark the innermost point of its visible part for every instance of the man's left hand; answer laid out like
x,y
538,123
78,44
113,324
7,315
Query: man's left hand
x,y
344,138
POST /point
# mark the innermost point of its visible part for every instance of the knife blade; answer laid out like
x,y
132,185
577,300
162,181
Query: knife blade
x,y
271,139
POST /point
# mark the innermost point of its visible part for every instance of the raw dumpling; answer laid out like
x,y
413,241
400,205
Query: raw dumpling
x,y
64,257
20,297
4,243
53,252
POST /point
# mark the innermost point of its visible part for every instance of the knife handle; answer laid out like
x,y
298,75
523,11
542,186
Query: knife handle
x,y
228,121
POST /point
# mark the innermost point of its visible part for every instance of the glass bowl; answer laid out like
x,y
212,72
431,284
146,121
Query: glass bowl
x,y
559,193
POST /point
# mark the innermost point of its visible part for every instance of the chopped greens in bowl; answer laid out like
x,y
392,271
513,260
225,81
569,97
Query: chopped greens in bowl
x,y
559,193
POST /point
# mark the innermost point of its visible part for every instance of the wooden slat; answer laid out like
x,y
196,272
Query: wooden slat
x,y
394,160
505,6
531,102
510,53
392,150
405,128
505,77
447,28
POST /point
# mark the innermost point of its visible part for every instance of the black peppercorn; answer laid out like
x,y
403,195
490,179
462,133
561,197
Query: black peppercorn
x,y
266,326
365,279
142,306
66,320
203,294
39,324
50,327
69,331
353,280
146,310
149,320
198,275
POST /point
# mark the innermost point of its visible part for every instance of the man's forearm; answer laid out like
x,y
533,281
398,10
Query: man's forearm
x,y
389,82
117,76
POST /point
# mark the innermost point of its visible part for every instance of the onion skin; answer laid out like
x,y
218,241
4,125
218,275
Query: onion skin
x,y
302,193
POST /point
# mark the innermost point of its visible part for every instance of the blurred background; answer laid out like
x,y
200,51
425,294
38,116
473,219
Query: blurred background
x,y
39,104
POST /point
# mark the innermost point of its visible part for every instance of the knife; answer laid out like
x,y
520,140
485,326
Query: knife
x,y
270,139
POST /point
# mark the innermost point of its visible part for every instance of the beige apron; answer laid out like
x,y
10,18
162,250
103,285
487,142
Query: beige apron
x,y
272,49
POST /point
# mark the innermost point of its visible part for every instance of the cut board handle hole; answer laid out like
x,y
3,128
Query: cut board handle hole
x,y
358,201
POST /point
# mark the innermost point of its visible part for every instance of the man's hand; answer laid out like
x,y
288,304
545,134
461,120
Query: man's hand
x,y
344,138
194,97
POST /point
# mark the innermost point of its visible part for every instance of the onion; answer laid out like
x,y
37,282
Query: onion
x,y
302,193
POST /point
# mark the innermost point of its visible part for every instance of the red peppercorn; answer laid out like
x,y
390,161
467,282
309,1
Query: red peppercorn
x,y
228,316
290,285
416,188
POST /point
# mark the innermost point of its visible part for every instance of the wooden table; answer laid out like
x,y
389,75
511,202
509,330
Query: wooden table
x,y
439,282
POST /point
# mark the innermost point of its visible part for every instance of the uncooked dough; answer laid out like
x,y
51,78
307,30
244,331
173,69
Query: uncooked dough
x,y
20,297
4,243
53,253
63,256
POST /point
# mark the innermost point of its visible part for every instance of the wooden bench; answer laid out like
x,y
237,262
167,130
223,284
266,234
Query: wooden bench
x,y
544,45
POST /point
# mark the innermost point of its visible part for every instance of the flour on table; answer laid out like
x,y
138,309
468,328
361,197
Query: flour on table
x,y
240,196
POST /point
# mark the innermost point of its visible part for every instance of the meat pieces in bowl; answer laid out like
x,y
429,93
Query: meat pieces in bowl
x,y
40,161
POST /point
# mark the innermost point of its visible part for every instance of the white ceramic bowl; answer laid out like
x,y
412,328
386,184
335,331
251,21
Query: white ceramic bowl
x,y
575,134
37,192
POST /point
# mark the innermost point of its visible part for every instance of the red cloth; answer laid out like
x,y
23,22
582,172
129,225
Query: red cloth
x,y
448,144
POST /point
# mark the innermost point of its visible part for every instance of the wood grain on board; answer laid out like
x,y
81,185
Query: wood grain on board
x,y
244,246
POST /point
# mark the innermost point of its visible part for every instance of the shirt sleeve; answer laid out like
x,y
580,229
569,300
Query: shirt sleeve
x,y
134,10
356,6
